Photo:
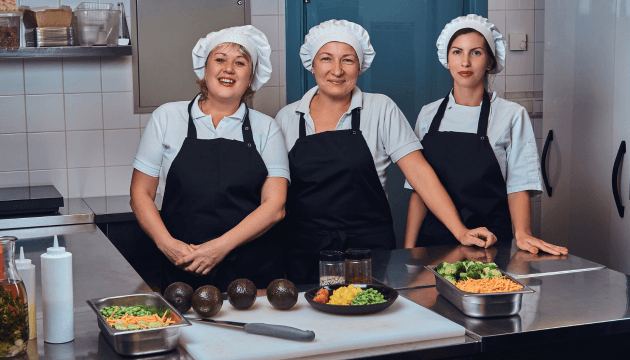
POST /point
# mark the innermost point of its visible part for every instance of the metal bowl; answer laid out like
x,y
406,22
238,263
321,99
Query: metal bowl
x,y
481,305
389,294
139,342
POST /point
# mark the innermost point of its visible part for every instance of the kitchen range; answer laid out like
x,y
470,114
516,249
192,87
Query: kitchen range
x,y
570,303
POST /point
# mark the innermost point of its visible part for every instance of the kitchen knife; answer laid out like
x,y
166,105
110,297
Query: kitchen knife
x,y
279,331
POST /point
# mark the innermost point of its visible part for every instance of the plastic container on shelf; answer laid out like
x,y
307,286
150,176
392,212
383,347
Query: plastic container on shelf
x,y
97,27
10,30
94,6
27,272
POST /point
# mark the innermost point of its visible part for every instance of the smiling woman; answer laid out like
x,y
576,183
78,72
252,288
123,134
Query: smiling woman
x,y
341,143
225,170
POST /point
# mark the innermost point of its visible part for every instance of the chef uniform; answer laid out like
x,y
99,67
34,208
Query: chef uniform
x,y
480,154
337,197
214,176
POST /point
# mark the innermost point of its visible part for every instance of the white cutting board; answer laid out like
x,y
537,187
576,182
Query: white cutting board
x,y
403,322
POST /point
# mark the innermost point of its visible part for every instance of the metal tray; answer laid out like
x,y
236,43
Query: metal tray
x,y
481,305
139,342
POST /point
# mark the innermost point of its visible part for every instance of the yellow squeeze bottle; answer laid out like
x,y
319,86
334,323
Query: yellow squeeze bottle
x,y
27,272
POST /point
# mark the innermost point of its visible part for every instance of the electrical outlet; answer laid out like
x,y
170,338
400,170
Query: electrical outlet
x,y
518,42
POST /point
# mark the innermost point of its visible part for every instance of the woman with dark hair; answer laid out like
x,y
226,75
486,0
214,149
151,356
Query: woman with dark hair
x,y
481,147
223,169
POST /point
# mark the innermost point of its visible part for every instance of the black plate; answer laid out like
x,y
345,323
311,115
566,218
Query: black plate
x,y
389,294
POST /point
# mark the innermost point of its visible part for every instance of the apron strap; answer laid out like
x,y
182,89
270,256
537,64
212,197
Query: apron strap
x,y
482,124
302,126
356,120
437,119
248,135
192,130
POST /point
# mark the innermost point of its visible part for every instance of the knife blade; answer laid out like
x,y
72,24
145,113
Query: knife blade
x,y
279,331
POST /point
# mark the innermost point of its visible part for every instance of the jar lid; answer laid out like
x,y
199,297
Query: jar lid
x,y
358,254
331,255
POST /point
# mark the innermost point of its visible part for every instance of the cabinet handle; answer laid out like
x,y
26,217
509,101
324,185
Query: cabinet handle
x,y
544,162
615,173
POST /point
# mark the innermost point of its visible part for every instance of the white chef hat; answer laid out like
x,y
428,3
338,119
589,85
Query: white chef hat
x,y
341,31
250,38
487,29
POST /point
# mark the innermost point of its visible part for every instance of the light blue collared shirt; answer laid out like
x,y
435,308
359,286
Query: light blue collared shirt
x,y
168,127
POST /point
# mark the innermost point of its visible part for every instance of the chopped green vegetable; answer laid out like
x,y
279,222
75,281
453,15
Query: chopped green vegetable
x,y
368,297
119,327
155,324
468,269
138,310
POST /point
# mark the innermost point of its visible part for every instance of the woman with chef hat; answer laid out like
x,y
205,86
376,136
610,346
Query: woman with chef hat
x,y
224,166
481,147
341,142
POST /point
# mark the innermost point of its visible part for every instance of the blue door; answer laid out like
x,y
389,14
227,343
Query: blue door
x,y
406,67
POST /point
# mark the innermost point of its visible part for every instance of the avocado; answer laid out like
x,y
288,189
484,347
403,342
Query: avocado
x,y
242,293
282,294
179,295
207,301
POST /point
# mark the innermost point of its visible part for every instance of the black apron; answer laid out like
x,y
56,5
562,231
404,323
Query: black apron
x,y
211,187
467,167
335,200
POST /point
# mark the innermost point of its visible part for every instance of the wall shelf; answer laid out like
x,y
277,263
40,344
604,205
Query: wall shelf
x,y
64,51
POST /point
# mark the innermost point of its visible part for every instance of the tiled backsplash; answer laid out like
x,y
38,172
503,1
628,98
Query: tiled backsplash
x,y
70,122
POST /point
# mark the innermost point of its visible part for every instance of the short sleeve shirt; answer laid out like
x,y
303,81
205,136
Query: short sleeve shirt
x,y
386,130
168,127
510,133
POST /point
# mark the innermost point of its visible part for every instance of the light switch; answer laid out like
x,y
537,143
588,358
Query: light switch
x,y
518,42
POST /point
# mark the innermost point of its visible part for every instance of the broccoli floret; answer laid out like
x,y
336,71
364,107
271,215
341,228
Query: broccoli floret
x,y
494,273
440,268
492,265
449,269
472,274
485,271
450,278
463,276
467,263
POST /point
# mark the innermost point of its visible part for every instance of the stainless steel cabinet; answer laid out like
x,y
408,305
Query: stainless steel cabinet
x,y
163,34
587,107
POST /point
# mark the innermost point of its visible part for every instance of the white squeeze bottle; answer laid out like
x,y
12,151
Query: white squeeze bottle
x,y
57,296
27,273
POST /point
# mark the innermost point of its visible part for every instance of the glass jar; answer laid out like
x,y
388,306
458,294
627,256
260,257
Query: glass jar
x,y
13,303
332,269
358,266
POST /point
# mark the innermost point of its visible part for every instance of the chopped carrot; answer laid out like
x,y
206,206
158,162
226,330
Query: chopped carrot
x,y
494,285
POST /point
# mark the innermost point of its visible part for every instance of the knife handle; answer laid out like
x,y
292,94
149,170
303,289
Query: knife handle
x,y
280,331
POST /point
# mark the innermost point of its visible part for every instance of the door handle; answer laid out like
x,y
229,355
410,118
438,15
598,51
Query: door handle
x,y
544,162
615,173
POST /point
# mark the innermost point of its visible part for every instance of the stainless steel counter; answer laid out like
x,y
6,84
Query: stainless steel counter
x,y
75,211
404,268
114,208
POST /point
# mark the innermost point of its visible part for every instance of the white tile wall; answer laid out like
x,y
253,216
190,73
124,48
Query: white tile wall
x,y
118,111
268,25
84,111
116,74
13,179
267,100
538,82
14,144
520,62
496,5
539,24
520,4
43,76
81,75
121,146
118,180
539,56
85,149
12,115
11,77
519,83
86,182
47,151
265,7
45,113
